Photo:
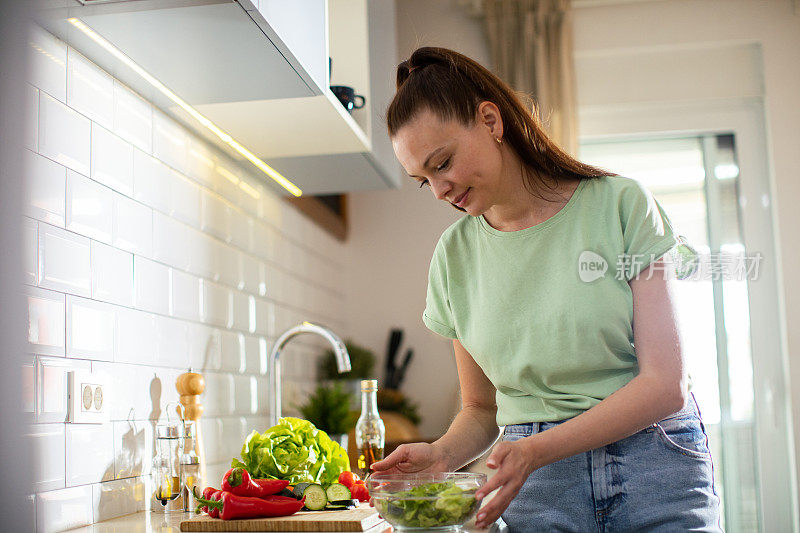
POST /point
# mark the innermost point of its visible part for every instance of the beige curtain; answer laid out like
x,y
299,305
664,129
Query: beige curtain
x,y
531,47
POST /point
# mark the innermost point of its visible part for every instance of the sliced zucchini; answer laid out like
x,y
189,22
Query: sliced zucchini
x,y
315,496
337,491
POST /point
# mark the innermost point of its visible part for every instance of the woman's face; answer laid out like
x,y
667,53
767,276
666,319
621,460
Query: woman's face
x,y
462,165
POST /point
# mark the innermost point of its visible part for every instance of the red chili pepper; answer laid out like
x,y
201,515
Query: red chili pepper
x,y
213,512
270,486
232,506
239,482
207,492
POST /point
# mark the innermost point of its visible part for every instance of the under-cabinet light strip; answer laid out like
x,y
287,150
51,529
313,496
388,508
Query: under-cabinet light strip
x,y
250,156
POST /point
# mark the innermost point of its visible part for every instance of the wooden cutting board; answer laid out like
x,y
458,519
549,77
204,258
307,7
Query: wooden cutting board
x,y
362,518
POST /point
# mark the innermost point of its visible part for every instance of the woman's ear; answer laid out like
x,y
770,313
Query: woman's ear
x,y
489,117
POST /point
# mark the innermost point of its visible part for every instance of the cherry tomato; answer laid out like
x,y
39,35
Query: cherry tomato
x,y
359,492
348,478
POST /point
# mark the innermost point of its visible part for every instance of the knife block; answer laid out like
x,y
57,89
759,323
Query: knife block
x,y
190,386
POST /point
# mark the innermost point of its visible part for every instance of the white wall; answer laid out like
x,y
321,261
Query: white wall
x,y
143,258
407,223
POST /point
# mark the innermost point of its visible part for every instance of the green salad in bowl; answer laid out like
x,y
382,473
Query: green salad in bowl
x,y
426,501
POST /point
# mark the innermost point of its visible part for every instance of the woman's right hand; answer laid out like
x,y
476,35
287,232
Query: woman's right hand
x,y
416,457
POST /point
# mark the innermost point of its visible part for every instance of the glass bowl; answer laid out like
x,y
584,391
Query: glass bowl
x,y
441,501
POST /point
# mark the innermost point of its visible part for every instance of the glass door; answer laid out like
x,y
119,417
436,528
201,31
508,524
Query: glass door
x,y
696,180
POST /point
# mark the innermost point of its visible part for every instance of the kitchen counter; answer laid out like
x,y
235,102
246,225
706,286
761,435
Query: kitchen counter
x,y
148,522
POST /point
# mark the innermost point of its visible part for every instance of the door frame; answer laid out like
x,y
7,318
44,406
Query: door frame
x,y
745,118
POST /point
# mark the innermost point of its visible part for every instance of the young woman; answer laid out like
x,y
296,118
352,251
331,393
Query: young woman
x,y
556,274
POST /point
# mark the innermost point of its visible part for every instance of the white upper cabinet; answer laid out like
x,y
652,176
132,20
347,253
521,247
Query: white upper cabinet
x,y
260,71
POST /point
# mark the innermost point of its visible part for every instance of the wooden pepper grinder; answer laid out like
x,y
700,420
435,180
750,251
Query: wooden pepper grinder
x,y
190,385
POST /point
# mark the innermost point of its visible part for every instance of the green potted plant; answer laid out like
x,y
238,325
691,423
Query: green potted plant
x,y
328,408
362,366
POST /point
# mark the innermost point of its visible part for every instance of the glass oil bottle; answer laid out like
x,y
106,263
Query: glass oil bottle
x,y
370,431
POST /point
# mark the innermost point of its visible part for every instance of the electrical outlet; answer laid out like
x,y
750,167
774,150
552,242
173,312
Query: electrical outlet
x,y
86,397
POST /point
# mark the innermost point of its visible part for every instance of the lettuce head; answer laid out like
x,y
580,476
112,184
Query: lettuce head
x,y
294,450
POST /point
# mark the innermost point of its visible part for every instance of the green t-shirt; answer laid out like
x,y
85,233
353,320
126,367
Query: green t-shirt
x,y
547,311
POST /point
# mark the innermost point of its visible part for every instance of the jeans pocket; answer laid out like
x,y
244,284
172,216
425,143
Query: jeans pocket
x,y
512,437
685,435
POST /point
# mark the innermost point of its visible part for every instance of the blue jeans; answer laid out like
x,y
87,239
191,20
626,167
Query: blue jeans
x,y
659,479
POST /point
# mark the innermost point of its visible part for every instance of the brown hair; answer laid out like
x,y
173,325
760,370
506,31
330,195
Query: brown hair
x,y
452,86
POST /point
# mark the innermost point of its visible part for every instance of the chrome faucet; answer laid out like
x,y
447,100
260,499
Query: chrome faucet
x,y
339,350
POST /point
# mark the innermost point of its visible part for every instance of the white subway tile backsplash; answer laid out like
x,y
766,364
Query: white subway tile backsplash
x,y
132,228
205,348
133,118
264,349
199,255
200,162
263,241
173,342
63,261
63,509
28,387
90,453
242,396
240,311
133,448
137,390
233,355
30,250
136,339
192,237
112,161
248,273
185,200
89,207
112,275
64,135
212,429
265,317
262,279
249,197
225,263
252,361
226,180
31,136
169,141
185,299
51,387
216,215
90,90
217,395
46,189
47,63
271,210
46,321
47,445
116,498
254,395
232,436
151,285
91,328
150,181
170,241
241,229
215,304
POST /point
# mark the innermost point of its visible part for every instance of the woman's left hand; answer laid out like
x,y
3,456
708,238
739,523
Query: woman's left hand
x,y
514,462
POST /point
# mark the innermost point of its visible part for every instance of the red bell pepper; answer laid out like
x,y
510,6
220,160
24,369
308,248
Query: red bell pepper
x,y
239,482
231,506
